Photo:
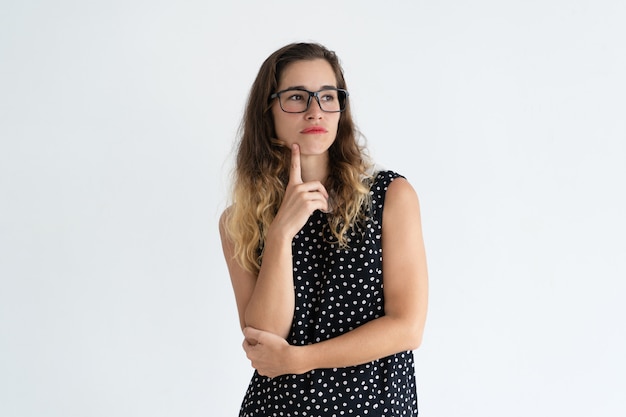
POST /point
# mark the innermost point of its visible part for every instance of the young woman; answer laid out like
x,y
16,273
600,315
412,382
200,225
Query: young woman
x,y
325,253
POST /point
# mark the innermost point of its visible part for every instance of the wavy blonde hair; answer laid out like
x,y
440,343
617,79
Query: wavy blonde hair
x,y
262,163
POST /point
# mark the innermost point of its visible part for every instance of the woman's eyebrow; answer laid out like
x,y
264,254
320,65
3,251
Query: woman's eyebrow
x,y
301,87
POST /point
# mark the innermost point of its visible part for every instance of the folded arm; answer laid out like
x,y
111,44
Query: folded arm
x,y
405,286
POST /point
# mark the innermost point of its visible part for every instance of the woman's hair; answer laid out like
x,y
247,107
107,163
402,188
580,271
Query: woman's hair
x,y
262,163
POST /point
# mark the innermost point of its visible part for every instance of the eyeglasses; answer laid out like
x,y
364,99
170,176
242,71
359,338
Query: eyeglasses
x,y
297,100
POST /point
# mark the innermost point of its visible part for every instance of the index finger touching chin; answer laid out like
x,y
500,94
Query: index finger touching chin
x,y
295,172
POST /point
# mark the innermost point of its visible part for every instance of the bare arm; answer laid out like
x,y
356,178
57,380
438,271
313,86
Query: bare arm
x,y
266,301
405,281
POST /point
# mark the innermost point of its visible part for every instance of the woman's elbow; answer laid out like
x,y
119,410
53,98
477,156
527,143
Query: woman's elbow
x,y
413,339
409,334
415,342
414,335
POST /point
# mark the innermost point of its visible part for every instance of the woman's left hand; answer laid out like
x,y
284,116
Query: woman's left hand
x,y
269,354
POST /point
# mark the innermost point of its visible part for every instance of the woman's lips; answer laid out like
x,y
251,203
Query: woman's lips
x,y
314,130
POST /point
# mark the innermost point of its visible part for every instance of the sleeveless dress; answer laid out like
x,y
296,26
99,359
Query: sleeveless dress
x,y
336,291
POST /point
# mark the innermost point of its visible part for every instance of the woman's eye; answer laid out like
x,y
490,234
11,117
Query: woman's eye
x,y
329,96
295,97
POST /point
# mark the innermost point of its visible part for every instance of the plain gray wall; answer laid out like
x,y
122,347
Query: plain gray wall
x,y
117,120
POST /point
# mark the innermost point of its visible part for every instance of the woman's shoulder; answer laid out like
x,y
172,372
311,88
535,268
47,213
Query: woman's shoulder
x,y
383,176
392,184
223,219
391,190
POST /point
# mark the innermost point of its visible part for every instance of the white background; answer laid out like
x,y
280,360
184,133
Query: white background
x,y
117,120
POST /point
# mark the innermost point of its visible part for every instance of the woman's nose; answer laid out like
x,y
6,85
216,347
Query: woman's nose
x,y
315,110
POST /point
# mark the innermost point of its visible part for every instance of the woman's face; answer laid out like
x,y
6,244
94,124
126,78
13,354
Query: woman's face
x,y
314,130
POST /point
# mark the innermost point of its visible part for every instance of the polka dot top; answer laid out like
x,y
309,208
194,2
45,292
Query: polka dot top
x,y
338,290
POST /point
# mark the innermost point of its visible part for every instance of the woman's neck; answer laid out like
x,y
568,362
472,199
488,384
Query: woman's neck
x,y
314,167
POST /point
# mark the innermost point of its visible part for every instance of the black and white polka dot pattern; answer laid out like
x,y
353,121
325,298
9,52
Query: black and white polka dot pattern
x,y
336,291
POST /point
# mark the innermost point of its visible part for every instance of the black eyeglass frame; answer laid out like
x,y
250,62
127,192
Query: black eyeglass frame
x,y
316,94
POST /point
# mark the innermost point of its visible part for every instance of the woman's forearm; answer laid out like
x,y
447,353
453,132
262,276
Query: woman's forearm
x,y
374,340
271,305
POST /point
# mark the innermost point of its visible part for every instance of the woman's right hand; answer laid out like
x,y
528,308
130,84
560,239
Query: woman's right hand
x,y
300,201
